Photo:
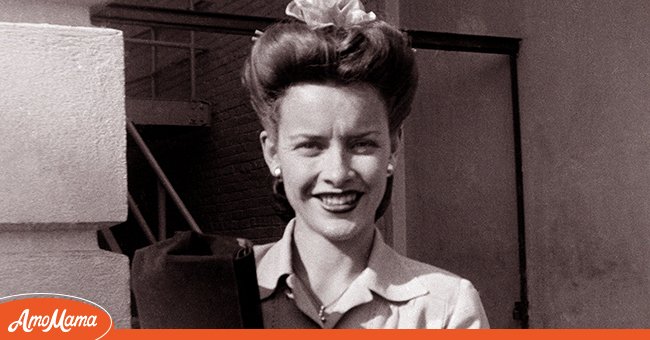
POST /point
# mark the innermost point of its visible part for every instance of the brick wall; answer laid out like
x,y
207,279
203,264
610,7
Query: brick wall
x,y
218,171
231,192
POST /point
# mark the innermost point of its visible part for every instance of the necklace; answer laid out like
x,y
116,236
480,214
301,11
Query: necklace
x,y
316,301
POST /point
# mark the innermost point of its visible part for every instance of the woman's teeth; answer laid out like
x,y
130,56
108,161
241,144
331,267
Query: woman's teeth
x,y
338,199
339,202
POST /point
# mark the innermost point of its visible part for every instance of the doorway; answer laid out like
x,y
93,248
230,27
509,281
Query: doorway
x,y
461,209
459,194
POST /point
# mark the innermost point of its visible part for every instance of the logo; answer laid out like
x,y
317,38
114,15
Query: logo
x,y
52,316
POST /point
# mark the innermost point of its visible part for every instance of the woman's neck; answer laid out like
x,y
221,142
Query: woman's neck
x,y
329,267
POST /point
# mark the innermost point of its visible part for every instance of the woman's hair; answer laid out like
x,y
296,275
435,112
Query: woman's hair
x,y
290,53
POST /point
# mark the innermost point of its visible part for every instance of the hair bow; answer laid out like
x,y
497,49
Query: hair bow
x,y
322,13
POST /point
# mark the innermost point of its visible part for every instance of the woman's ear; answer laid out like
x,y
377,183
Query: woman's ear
x,y
395,145
270,150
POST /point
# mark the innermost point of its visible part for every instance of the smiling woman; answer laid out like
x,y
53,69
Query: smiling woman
x,y
332,92
334,160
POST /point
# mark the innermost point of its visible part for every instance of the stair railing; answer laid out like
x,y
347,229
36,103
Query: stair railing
x,y
165,190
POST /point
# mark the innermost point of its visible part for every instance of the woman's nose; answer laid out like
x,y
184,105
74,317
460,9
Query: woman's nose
x,y
336,167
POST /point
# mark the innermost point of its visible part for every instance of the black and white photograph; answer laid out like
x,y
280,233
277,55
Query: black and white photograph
x,y
296,164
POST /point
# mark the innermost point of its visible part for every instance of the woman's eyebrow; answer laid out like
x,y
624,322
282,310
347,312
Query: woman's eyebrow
x,y
365,134
299,136
316,136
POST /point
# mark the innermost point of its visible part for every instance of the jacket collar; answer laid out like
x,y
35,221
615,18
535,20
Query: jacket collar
x,y
276,263
386,275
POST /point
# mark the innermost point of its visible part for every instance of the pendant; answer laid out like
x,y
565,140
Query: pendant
x,y
321,314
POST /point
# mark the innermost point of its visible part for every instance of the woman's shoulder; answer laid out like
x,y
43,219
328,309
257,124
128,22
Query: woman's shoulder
x,y
449,296
461,298
442,283
430,275
260,250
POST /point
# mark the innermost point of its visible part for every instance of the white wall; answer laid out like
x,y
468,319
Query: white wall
x,y
63,136
62,154
584,94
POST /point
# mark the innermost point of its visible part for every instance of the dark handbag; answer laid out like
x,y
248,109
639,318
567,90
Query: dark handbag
x,y
196,281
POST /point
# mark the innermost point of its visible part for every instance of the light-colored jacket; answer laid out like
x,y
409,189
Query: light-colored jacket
x,y
392,292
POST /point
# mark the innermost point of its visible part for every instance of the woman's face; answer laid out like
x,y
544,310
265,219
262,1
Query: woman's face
x,y
333,147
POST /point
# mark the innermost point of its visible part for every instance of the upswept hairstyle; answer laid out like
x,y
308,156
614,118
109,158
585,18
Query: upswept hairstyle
x,y
289,53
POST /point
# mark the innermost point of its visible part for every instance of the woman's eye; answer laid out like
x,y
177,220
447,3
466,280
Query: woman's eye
x,y
308,145
363,147
309,148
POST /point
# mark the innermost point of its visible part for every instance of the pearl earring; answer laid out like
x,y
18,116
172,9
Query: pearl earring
x,y
391,169
277,172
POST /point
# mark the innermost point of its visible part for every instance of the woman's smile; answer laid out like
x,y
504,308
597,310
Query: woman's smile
x,y
339,203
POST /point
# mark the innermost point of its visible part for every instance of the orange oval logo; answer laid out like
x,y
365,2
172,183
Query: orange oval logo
x,y
52,316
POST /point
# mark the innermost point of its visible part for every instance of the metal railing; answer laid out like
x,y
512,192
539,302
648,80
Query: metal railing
x,y
164,191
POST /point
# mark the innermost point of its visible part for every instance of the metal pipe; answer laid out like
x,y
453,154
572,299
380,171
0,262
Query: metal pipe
x,y
112,242
137,214
192,68
181,19
192,60
463,42
154,57
133,131
519,174
162,211
162,43
158,71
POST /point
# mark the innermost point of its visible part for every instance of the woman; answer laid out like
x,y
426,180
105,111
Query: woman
x,y
331,92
